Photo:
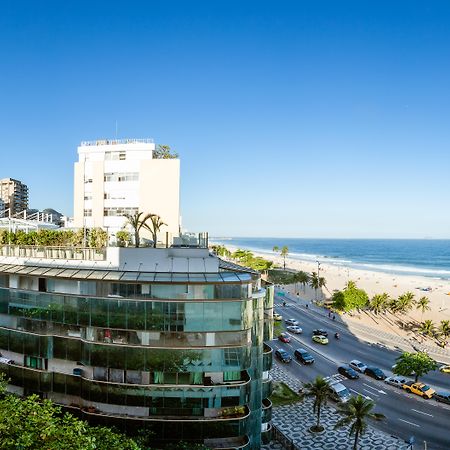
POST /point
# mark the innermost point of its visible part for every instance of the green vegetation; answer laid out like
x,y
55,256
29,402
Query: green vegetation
x,y
155,225
123,238
283,394
316,282
444,329
419,364
95,238
379,303
423,304
427,328
350,298
164,152
319,390
357,411
137,222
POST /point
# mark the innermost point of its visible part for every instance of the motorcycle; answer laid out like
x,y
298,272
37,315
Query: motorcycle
x,y
336,335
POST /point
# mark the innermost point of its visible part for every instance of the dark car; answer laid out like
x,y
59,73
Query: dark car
x,y
320,332
348,372
284,337
303,356
443,397
283,356
375,372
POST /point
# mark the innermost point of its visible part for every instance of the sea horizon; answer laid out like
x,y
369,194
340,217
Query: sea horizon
x,y
426,257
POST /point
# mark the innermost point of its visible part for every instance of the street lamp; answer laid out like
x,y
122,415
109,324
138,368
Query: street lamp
x,y
318,276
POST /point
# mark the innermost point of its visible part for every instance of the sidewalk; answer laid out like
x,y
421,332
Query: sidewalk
x,y
294,421
381,337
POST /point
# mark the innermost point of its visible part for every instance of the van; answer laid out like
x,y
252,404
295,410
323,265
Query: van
x,y
340,393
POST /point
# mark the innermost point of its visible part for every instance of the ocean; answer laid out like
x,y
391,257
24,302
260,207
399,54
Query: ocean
x,y
424,257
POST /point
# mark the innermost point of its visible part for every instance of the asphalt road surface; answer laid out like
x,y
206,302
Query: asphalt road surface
x,y
407,414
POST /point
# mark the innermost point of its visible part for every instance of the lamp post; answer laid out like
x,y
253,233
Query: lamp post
x,y
318,276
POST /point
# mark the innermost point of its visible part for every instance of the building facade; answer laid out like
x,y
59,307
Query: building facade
x,y
170,340
14,195
117,177
2,208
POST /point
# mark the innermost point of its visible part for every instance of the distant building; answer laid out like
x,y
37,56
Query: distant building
x,y
14,195
2,208
118,177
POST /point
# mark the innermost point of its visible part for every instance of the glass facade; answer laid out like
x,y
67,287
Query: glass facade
x,y
143,354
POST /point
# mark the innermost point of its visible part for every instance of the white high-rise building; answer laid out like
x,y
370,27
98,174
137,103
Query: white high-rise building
x,y
117,177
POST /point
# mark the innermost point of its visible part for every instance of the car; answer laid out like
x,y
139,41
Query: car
x,y
339,392
291,322
320,339
358,365
443,397
277,317
375,372
303,356
420,389
398,381
284,337
320,332
348,372
445,369
294,329
283,356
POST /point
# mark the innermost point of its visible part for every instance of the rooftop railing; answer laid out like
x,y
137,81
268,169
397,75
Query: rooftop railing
x,y
116,142
44,252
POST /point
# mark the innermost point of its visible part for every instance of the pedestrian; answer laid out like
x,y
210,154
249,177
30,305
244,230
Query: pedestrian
x,y
334,317
329,313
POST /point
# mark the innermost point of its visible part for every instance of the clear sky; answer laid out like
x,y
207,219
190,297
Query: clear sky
x,y
292,118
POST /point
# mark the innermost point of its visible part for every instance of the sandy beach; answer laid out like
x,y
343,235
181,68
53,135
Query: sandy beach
x,y
374,283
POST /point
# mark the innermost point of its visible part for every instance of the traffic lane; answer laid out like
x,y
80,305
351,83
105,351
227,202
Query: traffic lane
x,y
405,413
349,344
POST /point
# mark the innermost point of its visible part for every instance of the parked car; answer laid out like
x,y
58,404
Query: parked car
x,y
398,381
303,356
445,369
358,365
339,393
443,397
348,372
291,322
277,317
420,389
284,337
283,356
320,339
320,332
294,329
375,372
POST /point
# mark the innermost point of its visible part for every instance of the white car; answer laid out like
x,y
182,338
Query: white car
x,y
358,365
292,322
294,329
397,381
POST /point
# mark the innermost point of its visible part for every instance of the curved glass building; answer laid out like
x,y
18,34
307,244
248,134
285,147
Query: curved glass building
x,y
170,340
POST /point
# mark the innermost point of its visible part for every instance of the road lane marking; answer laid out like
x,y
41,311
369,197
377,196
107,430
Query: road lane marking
x,y
410,423
371,393
362,395
375,389
421,412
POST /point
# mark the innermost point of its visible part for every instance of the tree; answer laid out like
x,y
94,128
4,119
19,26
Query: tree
x,y
284,252
123,238
405,302
316,282
444,329
357,411
419,363
423,304
319,390
302,278
350,298
427,328
137,221
164,152
276,249
154,227
379,303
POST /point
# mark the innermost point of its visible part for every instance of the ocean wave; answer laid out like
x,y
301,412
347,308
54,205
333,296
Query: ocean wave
x,y
395,268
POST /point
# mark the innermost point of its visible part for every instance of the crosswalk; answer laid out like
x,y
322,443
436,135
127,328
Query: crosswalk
x,y
335,378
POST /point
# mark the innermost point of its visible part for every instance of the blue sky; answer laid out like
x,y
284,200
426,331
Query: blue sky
x,y
292,118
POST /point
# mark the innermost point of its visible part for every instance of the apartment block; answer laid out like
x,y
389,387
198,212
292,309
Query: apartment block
x,y
14,195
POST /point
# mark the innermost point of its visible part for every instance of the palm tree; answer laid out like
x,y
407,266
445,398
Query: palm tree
x,y
154,227
427,328
405,302
137,221
379,303
284,252
319,389
444,329
316,282
276,249
302,278
423,304
356,413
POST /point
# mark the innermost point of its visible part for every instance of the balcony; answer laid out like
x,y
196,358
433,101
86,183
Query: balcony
x,y
266,435
267,388
267,358
266,410
238,443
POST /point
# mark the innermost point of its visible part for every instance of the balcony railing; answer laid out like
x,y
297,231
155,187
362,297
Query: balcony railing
x,y
267,358
241,443
116,142
44,252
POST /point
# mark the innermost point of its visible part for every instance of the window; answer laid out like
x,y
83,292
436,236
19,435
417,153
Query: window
x,y
120,177
88,196
34,362
88,213
113,196
87,180
116,156
119,211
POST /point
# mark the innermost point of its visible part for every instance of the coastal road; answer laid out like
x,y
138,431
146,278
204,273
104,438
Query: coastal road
x,y
407,415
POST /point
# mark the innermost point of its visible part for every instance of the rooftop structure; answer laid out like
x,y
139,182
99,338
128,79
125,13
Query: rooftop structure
x,y
125,176
165,339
